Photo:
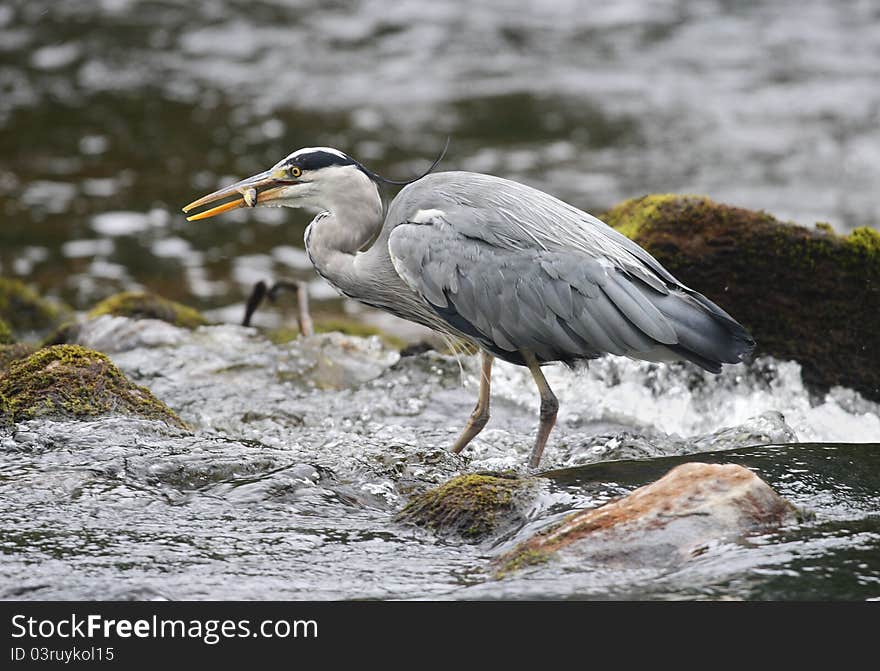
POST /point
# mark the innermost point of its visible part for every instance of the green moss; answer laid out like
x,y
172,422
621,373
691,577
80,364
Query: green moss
x,y
143,305
469,506
865,239
631,216
71,381
5,334
520,559
805,294
25,311
351,327
282,335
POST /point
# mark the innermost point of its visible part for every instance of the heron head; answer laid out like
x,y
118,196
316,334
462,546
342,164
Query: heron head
x,y
310,178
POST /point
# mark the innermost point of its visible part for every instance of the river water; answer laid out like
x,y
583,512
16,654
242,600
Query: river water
x,y
302,453
114,113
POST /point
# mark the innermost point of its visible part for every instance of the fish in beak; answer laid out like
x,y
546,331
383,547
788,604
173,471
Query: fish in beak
x,y
263,187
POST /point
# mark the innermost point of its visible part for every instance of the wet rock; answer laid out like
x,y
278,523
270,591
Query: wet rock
x,y
232,379
472,507
71,381
337,361
807,295
143,305
665,522
26,312
111,334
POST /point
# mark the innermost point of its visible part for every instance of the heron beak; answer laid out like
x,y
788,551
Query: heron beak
x,y
262,187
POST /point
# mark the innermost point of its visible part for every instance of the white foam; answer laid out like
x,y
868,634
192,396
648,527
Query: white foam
x,y
680,400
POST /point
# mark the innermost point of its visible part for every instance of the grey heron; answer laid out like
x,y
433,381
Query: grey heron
x,y
518,273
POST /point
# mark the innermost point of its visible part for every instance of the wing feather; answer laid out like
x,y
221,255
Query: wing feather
x,y
515,300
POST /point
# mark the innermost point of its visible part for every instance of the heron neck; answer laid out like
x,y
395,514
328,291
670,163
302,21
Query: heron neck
x,y
335,237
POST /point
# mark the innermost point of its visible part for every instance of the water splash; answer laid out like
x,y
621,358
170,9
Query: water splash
x,y
682,400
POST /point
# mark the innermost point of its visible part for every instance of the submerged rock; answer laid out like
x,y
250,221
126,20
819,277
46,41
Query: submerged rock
x,y
25,311
144,305
665,522
472,507
807,295
71,381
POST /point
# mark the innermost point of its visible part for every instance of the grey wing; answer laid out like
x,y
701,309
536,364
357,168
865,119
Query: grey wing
x,y
558,304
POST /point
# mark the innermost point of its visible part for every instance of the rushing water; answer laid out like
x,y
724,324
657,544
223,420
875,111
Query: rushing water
x,y
302,453
114,113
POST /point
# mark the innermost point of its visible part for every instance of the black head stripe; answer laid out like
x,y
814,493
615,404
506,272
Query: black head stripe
x,y
315,160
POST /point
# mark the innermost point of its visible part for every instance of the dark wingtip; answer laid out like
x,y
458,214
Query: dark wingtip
x,y
745,343
748,348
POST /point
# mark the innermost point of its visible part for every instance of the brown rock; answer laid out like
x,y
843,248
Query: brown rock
x,y
667,521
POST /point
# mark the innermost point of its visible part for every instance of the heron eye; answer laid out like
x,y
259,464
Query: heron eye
x,y
295,171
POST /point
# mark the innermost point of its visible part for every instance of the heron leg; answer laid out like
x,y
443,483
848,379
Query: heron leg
x,y
480,415
304,317
549,407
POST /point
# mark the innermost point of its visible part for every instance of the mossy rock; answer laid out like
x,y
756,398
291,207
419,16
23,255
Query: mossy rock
x,y
25,311
72,381
145,305
472,507
5,334
804,294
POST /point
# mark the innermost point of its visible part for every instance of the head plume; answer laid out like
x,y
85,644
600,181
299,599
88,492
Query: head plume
x,y
384,180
